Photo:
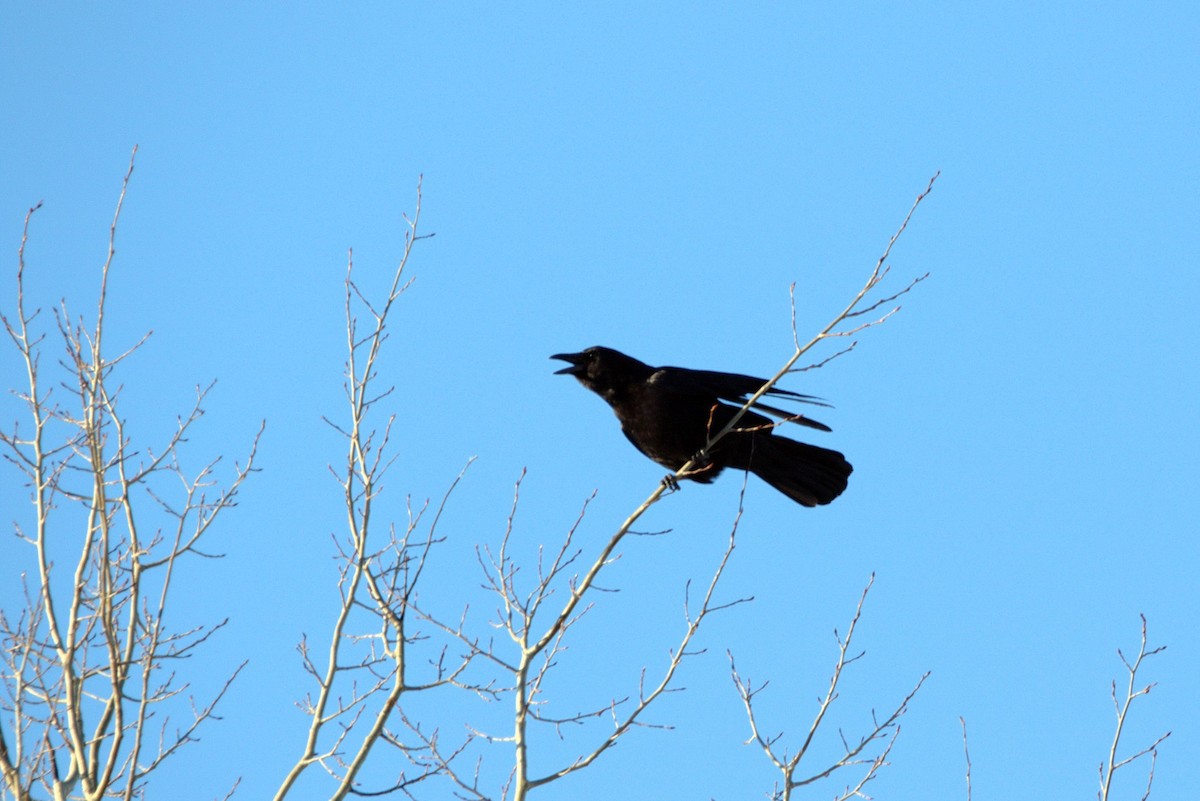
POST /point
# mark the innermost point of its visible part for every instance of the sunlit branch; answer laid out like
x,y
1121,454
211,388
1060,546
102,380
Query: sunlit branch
x,y
854,753
1121,707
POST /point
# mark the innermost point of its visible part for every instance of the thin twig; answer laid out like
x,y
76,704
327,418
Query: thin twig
x,y
966,754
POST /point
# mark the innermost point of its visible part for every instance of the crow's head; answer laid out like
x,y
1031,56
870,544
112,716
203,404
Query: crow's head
x,y
603,370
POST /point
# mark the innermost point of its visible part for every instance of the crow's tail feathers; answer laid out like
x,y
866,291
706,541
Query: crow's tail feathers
x,y
807,474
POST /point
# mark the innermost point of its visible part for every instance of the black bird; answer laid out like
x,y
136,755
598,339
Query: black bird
x,y
669,413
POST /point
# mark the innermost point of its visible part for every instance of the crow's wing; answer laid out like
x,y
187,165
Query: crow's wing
x,y
736,388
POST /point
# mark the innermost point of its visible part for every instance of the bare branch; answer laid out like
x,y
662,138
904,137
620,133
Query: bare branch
x,y
831,330
854,753
966,755
367,669
1122,707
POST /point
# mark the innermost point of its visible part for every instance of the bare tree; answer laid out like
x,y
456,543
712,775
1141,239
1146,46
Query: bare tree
x,y
84,669
93,700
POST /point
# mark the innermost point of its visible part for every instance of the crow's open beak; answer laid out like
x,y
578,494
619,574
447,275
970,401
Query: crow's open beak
x,y
578,363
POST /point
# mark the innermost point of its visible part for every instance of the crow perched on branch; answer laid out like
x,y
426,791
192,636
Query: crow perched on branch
x,y
669,414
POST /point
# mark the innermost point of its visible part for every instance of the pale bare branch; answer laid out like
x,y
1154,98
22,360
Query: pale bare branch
x,y
1122,707
966,754
854,753
831,330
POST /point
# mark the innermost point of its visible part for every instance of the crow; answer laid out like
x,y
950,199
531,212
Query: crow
x,y
669,414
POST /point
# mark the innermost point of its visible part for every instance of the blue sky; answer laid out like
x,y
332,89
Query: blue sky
x,y
1023,432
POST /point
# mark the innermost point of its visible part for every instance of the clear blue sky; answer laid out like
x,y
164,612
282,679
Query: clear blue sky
x,y
1024,433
